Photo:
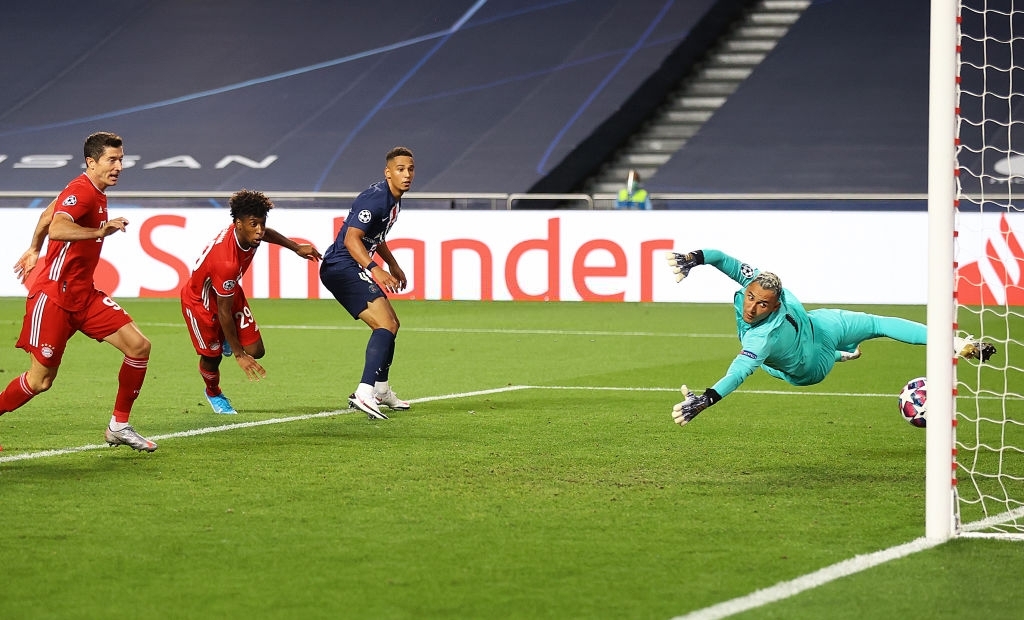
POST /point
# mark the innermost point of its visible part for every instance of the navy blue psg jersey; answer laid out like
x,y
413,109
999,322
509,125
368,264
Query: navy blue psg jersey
x,y
374,212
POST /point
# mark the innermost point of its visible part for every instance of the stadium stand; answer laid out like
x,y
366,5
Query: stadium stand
x,y
308,95
840,105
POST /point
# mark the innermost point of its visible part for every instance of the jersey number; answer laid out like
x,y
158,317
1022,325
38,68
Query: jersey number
x,y
244,318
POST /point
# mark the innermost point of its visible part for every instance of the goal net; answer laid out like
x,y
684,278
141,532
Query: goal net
x,y
988,255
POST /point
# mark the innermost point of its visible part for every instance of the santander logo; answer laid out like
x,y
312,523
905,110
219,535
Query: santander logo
x,y
998,278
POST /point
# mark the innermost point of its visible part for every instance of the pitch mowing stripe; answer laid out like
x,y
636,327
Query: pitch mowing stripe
x,y
756,599
230,427
327,414
786,589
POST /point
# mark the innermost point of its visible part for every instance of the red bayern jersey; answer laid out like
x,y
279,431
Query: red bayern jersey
x,y
218,271
67,269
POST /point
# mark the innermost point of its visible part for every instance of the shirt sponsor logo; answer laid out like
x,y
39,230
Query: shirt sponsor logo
x,y
70,201
364,216
749,354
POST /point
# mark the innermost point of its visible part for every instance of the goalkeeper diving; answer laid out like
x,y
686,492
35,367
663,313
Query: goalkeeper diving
x,y
788,342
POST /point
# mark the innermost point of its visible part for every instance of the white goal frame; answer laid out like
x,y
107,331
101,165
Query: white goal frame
x,y
945,149
939,457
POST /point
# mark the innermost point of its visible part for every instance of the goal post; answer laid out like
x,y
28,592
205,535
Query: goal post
x,y
975,436
939,522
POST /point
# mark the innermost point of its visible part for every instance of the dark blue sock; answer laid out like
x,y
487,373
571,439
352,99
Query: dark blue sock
x,y
382,374
378,349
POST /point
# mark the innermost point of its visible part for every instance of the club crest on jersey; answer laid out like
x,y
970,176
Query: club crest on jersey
x,y
746,271
70,201
364,216
46,350
229,285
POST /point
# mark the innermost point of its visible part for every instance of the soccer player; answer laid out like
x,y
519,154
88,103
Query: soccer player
x,y
213,303
62,298
352,276
789,343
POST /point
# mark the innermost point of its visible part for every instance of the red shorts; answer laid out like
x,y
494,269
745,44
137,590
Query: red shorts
x,y
204,326
47,327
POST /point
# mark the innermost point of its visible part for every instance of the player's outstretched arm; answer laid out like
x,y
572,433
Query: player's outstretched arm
x,y
681,264
693,404
63,228
306,250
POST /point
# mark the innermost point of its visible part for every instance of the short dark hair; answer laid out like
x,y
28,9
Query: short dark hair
x,y
99,141
246,202
398,151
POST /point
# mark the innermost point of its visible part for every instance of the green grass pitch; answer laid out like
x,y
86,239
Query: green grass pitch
x,y
538,475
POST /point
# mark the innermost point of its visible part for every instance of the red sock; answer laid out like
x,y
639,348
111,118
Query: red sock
x,y
212,380
17,394
129,382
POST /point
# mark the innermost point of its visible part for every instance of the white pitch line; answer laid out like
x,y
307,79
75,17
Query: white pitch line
x,y
327,414
230,427
725,609
427,399
786,589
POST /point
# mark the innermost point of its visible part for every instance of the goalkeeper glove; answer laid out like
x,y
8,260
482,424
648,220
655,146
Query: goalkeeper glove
x,y
692,405
682,263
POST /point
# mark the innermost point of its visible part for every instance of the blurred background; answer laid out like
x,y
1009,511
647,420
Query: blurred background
x,y
506,96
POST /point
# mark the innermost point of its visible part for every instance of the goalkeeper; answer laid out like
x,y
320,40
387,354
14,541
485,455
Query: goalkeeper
x,y
788,342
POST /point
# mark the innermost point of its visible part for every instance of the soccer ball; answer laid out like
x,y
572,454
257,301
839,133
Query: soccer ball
x,y
914,402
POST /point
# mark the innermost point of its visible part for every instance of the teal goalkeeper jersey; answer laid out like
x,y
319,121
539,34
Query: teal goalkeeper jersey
x,y
783,343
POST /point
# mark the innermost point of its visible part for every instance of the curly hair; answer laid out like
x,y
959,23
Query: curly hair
x,y
248,202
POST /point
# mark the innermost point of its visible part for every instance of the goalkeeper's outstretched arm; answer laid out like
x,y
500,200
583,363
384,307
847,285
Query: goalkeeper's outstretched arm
x,y
681,264
692,404
741,368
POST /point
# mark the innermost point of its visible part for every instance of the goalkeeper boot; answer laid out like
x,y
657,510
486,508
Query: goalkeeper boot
x,y
969,347
364,401
221,404
389,399
128,437
847,356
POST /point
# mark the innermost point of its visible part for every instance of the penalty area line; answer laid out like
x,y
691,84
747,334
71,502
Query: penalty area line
x,y
326,414
240,425
786,589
